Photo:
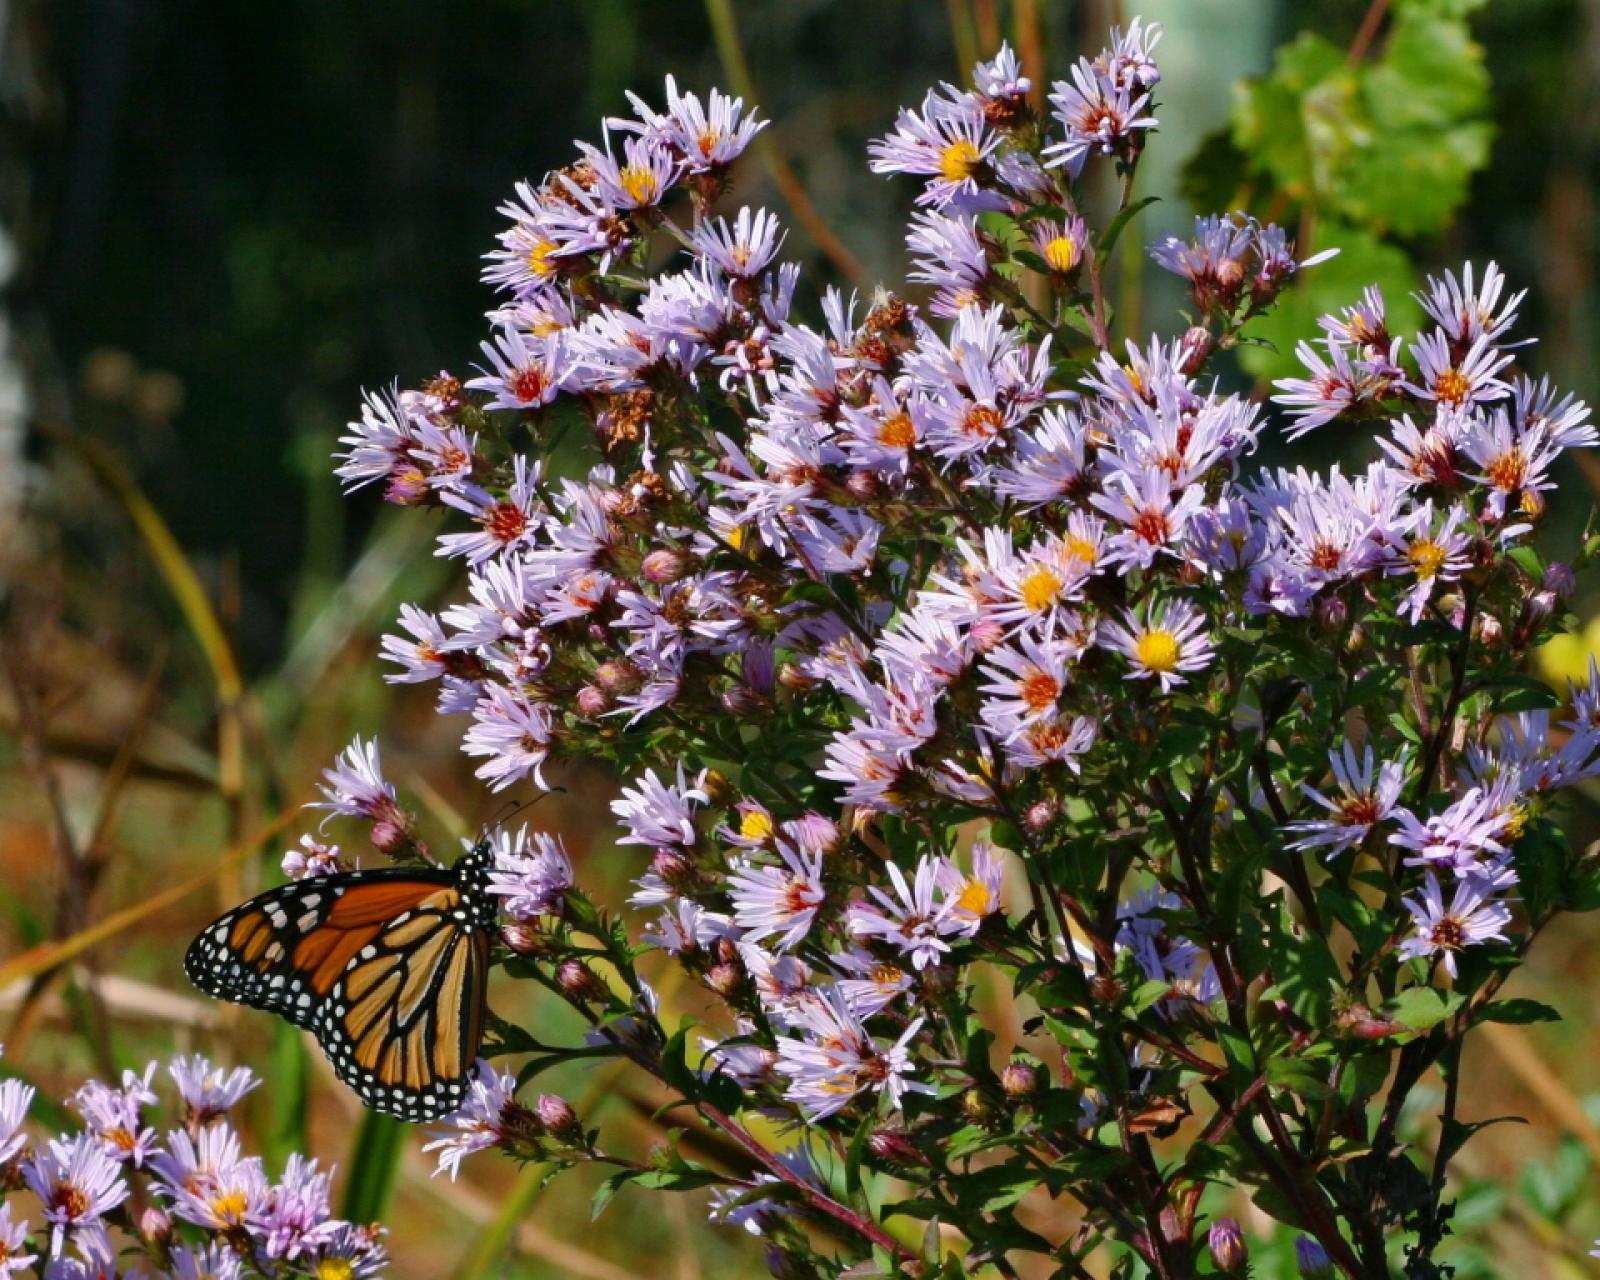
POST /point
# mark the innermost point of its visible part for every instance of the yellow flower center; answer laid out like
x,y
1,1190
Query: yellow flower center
x,y
756,825
640,183
1516,819
959,161
897,431
1061,254
1157,650
1040,589
1080,548
1452,386
334,1269
229,1206
539,258
975,898
1426,556
1506,470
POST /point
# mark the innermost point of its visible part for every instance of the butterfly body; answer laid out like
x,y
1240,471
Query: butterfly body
x,y
387,968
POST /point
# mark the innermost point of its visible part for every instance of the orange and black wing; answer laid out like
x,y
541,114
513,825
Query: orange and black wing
x,y
386,967
405,1018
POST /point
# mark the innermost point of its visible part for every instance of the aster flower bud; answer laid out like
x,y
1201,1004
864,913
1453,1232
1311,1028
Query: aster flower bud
x,y
580,981
1040,816
743,701
527,939
727,980
1541,606
407,487
618,677
557,1116
1488,629
978,1107
793,679
864,486
593,701
1333,611
1226,1241
392,836
665,566
813,832
1195,350
1020,1079
155,1226
675,870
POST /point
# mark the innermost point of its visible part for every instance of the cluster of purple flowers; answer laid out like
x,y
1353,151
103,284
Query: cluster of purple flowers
x,y
119,1198
918,579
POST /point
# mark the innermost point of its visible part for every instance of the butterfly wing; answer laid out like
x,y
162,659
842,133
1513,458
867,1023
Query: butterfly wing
x,y
386,967
405,1018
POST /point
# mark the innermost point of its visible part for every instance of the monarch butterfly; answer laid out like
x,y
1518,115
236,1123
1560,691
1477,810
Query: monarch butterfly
x,y
387,968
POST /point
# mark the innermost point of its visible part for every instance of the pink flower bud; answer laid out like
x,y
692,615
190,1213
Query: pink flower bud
x,y
580,981
593,701
618,677
557,1115
1226,1241
1019,1080
663,567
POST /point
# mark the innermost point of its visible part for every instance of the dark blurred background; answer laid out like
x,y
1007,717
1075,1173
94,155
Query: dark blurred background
x,y
221,221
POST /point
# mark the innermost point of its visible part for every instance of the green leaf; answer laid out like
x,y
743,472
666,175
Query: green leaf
x,y
1422,1008
1307,974
1275,119
373,1164
289,1097
1518,1012
1108,237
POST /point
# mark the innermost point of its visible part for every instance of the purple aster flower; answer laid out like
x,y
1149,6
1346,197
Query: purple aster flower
x,y
1061,245
513,733
839,1059
685,927
659,813
208,1091
1048,463
78,1183
1337,386
504,524
527,371
1467,312
1367,794
950,257
1458,381
777,902
708,136
13,1239
296,1217
114,1116
1099,117
1130,61
909,918
1563,422
1514,466
379,443
312,858
209,1262
1166,641
350,1252
1052,740
876,984
1025,683
1463,838
15,1099
1432,555
484,1120
1150,517
1215,262
741,249
356,788
648,171
1473,917
949,144
531,873
208,1182
1001,82
969,900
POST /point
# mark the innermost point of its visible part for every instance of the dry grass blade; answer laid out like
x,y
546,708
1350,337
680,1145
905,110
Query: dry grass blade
x,y
47,955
